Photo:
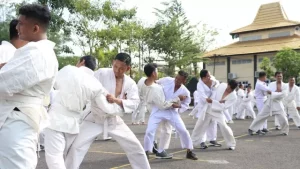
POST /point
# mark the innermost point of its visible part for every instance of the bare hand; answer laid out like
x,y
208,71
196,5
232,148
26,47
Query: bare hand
x,y
298,108
176,105
208,100
278,90
1,65
110,98
269,92
181,97
222,101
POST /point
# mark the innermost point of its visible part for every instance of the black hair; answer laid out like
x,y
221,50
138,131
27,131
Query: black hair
x,y
149,69
262,74
13,33
233,84
276,73
240,85
37,12
203,73
123,57
183,73
249,86
89,62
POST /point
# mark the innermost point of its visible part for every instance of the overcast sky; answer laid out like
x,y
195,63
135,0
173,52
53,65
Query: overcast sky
x,y
224,15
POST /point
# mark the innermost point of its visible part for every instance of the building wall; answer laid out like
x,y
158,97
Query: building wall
x,y
265,34
243,66
220,69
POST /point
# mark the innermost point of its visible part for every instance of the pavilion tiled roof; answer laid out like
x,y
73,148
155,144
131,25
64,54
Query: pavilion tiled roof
x,y
257,46
269,16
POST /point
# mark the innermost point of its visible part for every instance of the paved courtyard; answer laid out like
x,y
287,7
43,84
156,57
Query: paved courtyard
x,y
271,151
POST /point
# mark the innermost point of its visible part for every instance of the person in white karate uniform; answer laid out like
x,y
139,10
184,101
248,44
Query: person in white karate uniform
x,y
240,113
292,102
68,105
261,91
223,96
273,106
138,116
162,110
246,106
204,87
196,98
24,82
124,92
7,49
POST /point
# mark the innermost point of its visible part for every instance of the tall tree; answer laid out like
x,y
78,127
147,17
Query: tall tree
x,y
265,65
287,60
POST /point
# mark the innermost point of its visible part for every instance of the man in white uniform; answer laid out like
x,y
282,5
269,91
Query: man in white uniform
x,y
292,102
124,92
223,97
75,88
240,113
204,88
7,49
138,116
166,111
24,82
261,91
273,106
246,105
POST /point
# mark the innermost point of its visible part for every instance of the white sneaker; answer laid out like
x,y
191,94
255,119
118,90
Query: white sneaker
x,y
231,148
230,122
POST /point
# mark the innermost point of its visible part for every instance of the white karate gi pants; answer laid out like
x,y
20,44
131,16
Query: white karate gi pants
x,y
265,114
18,143
211,132
260,105
246,108
227,115
121,133
202,125
293,113
56,145
175,120
139,114
163,135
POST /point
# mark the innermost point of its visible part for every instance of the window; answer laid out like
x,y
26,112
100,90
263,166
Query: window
x,y
279,34
242,61
260,59
250,38
216,63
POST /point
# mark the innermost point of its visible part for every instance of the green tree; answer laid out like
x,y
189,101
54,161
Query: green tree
x,y
265,65
287,60
64,61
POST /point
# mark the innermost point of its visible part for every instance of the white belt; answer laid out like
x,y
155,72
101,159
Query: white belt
x,y
23,99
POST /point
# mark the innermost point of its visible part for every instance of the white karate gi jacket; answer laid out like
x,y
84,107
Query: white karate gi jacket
x,y
76,89
293,97
168,84
26,79
7,51
275,99
216,108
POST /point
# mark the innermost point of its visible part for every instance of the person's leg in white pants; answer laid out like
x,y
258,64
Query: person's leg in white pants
x,y
54,149
293,112
88,132
260,119
260,105
153,122
283,122
226,131
200,129
165,135
18,143
212,131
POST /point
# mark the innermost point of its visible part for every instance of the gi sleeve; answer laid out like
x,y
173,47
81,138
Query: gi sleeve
x,y
132,100
220,107
157,97
186,102
27,69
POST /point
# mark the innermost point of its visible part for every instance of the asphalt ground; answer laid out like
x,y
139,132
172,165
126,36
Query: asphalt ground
x,y
271,151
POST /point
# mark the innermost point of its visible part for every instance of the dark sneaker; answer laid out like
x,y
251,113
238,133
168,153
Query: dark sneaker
x,y
298,127
191,155
203,146
265,130
214,143
163,155
250,132
276,127
284,134
147,154
154,150
259,132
